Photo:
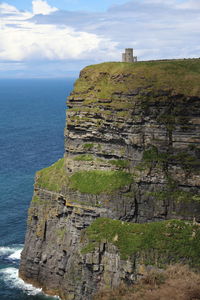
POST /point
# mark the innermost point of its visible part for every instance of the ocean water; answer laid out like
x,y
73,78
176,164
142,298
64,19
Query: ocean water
x,y
32,121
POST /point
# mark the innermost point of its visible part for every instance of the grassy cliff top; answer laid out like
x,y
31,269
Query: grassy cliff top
x,y
158,242
176,76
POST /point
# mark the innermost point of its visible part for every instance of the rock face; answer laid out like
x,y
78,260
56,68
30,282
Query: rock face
x,y
132,153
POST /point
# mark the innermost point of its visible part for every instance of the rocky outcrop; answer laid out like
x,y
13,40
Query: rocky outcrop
x,y
132,153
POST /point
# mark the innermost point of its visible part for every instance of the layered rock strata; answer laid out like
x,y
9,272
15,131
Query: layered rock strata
x,y
132,153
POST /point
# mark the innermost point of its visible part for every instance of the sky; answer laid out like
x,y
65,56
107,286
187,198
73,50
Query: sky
x,y
57,38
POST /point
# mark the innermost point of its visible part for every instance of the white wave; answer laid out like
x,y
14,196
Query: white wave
x,y
10,277
12,252
16,255
5,250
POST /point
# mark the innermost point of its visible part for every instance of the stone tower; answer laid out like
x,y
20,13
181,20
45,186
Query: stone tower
x,y
128,56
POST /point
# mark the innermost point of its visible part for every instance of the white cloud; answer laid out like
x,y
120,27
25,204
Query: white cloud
x,y
7,9
22,39
42,7
34,41
154,28
189,4
11,15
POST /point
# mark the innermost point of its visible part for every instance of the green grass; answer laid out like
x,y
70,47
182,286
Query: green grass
x,y
88,146
61,232
158,242
188,161
101,81
120,163
175,194
153,157
36,200
52,178
97,182
84,157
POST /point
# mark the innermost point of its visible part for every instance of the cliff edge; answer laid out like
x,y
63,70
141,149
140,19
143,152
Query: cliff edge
x,y
132,155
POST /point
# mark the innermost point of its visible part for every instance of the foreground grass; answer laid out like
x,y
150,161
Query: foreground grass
x,y
177,282
157,243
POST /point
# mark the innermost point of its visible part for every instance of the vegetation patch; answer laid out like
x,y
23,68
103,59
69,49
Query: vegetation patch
x,y
104,81
35,199
52,178
188,161
157,243
123,114
177,195
97,181
61,232
175,282
84,157
88,146
152,157
129,194
120,163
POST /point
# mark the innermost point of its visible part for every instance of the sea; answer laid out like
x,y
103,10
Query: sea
x,y
32,121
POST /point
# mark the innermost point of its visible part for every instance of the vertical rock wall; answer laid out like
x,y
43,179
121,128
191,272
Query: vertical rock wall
x,y
132,152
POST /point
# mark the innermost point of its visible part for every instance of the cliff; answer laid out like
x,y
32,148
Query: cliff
x,y
132,155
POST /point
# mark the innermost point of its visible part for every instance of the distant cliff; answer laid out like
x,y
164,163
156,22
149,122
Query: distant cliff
x,y
132,154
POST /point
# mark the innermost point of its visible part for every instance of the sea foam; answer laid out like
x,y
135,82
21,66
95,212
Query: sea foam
x,y
12,252
15,255
10,277
5,251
